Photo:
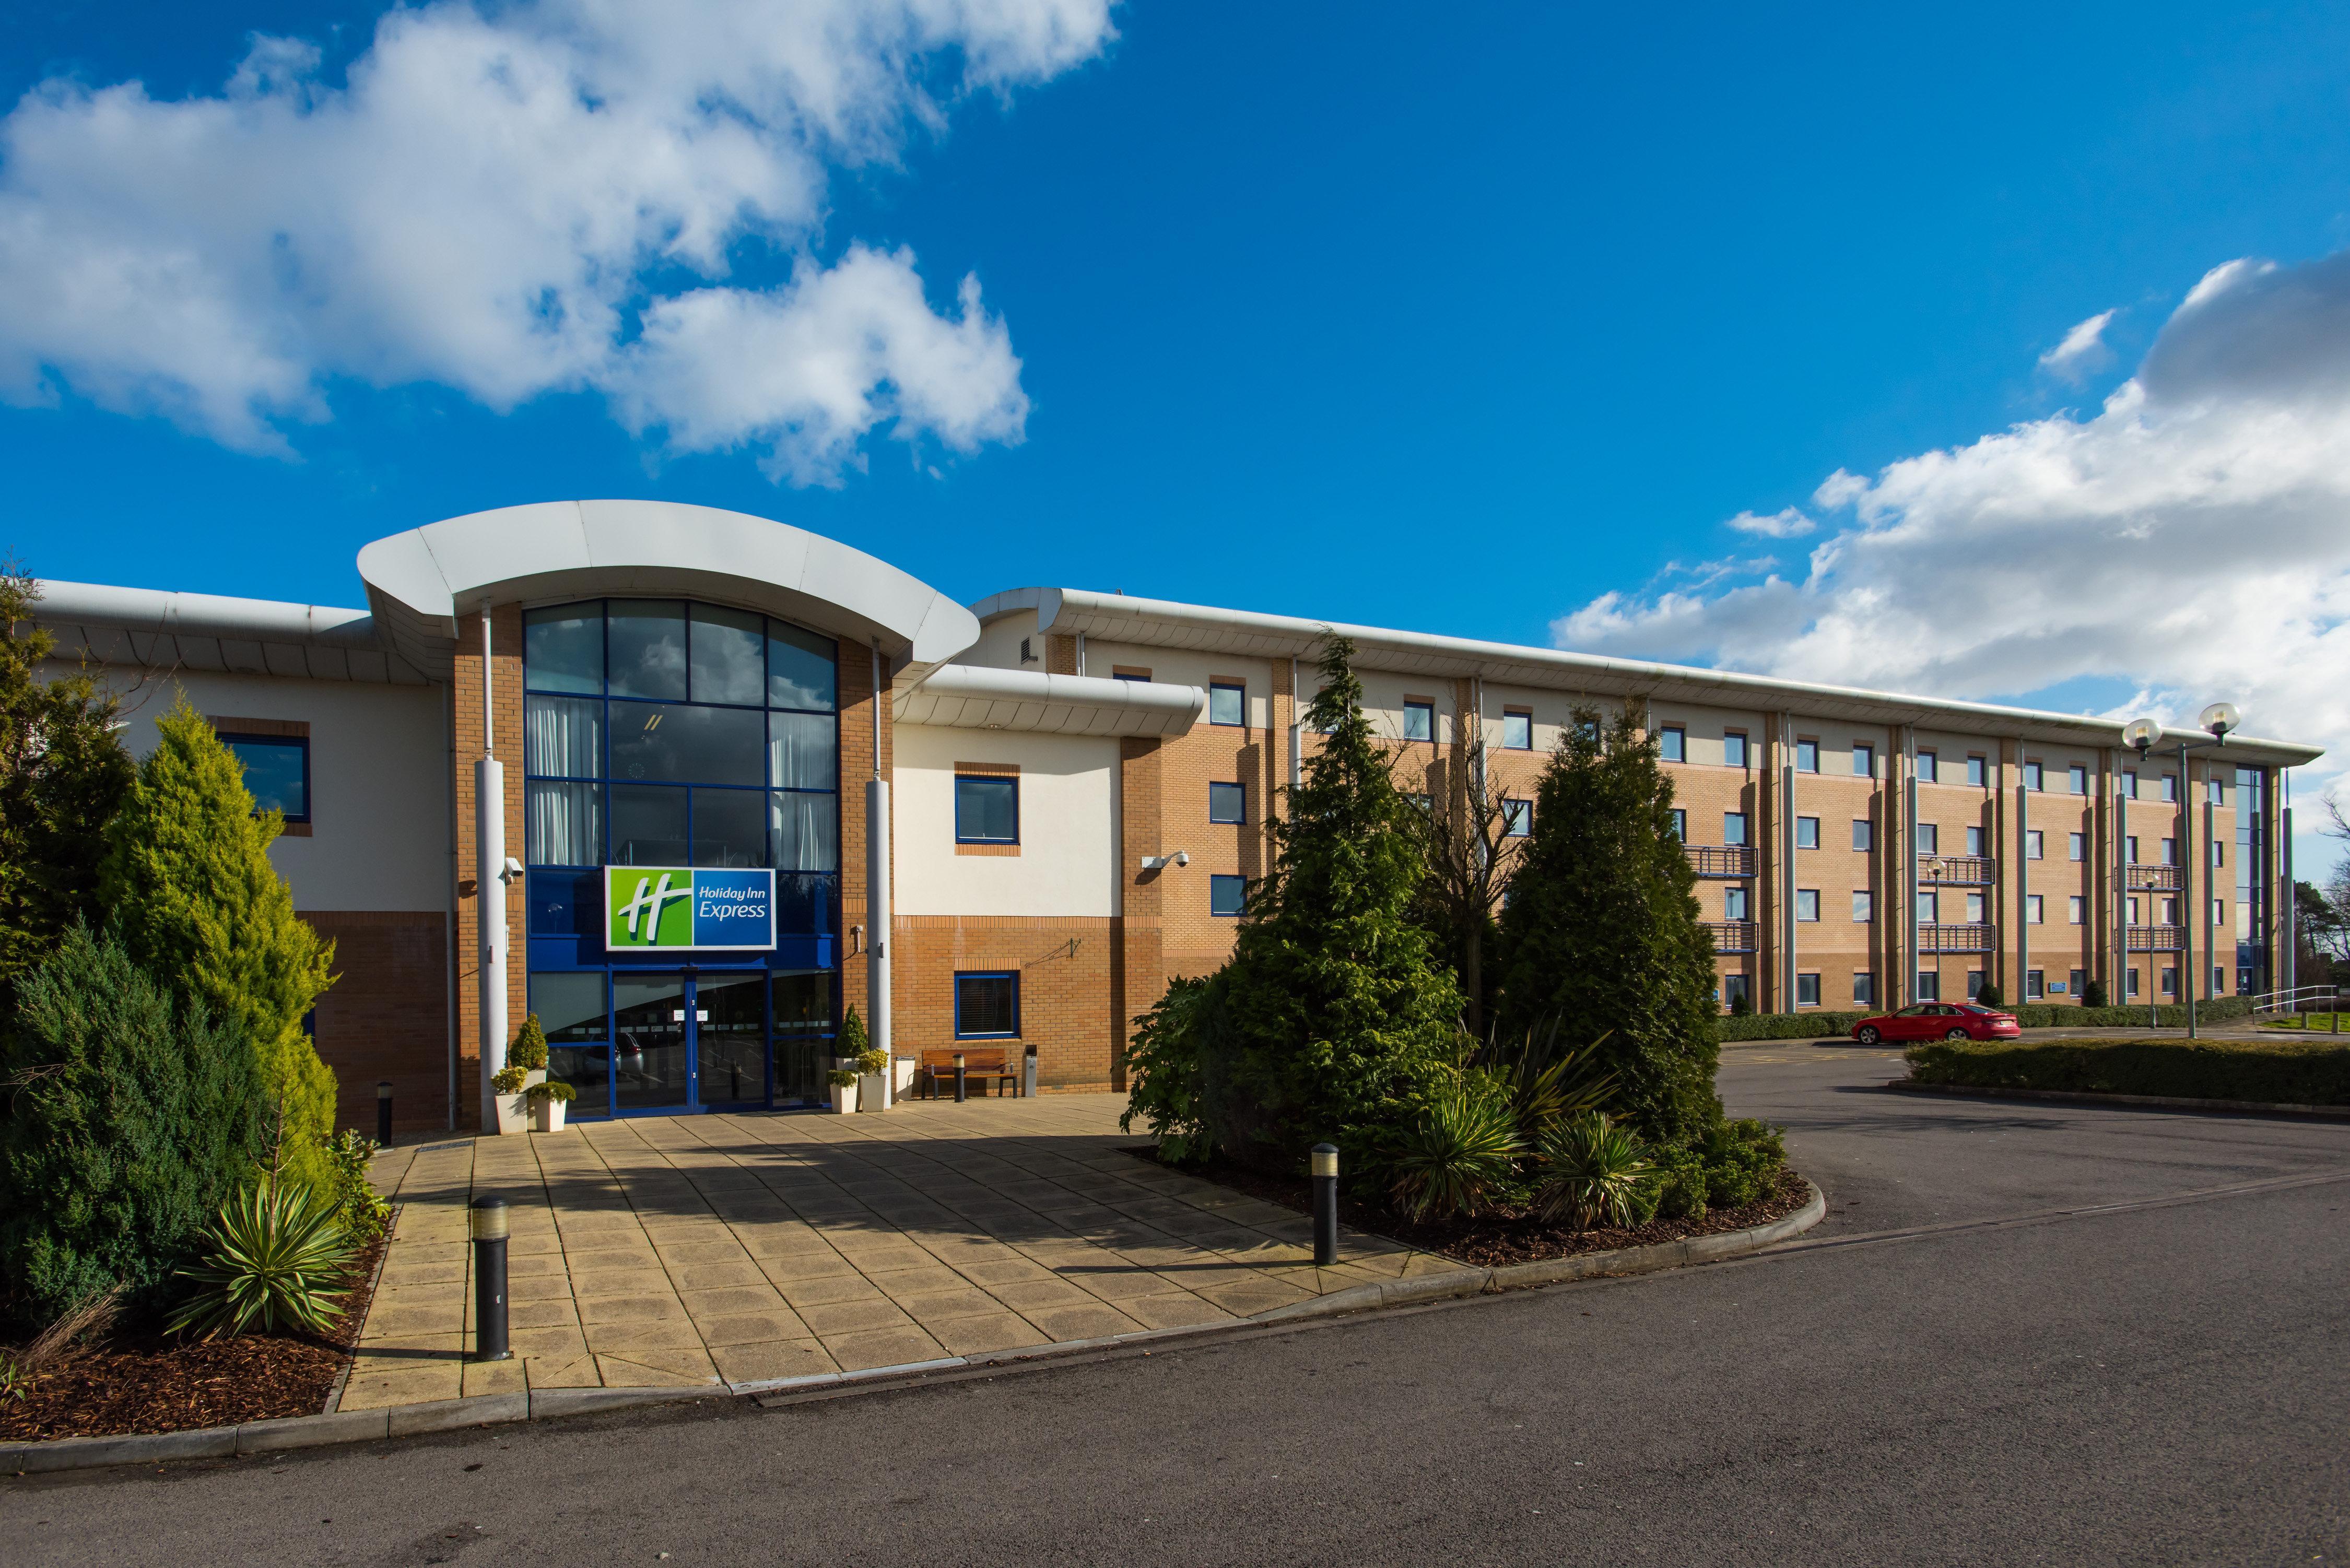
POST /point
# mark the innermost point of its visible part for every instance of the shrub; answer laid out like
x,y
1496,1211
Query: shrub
x,y
528,1051
1989,995
363,1209
132,1113
2093,993
1460,1152
509,1079
1742,1006
552,1089
2269,1072
869,1060
275,1260
187,875
1163,1075
841,1077
1680,1190
1594,1173
1546,1082
853,1040
1743,1159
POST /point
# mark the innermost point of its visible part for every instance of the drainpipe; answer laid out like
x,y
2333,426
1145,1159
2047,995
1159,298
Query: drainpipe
x,y
2023,888
1297,727
2120,997
877,899
1913,959
490,886
1787,863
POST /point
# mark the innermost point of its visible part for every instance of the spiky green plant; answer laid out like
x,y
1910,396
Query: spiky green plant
x,y
1547,1082
1460,1152
1592,1172
273,1261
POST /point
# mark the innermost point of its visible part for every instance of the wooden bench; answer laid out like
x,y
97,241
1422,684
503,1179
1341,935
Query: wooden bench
x,y
980,1065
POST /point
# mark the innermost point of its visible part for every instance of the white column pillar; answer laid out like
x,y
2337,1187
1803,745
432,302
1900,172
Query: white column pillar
x,y
490,901
876,917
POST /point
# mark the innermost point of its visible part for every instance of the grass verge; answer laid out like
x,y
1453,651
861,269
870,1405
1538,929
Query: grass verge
x,y
2265,1071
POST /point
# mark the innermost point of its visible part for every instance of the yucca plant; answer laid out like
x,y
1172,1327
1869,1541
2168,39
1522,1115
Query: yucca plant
x,y
273,1261
1592,1172
1464,1148
1547,1082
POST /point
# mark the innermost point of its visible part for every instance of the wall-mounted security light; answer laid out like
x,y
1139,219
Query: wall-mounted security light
x,y
511,871
1160,862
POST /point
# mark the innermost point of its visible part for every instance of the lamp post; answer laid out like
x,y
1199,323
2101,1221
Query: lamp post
x,y
2142,735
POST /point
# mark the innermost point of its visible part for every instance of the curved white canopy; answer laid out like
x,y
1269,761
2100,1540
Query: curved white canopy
x,y
976,697
421,582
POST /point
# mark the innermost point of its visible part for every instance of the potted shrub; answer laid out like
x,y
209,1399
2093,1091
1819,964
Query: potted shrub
x,y
872,1066
525,1068
550,1102
844,1089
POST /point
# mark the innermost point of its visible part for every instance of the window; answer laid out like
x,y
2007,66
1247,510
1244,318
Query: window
x,y
2220,911
2076,845
1672,745
2170,911
2219,853
2130,915
1864,762
1807,903
2171,786
1128,672
1864,834
2212,793
2032,778
1227,802
1974,840
1975,979
2171,980
1733,828
276,771
2035,984
2218,983
2077,981
1733,750
2076,908
1929,839
1517,730
1426,803
1733,988
1680,824
2079,778
2031,909
2129,782
1977,771
1864,988
1227,703
1807,761
2129,850
1928,766
2131,987
1807,833
1518,818
1929,985
986,1005
1807,991
2033,844
1864,906
987,809
1927,906
1733,903
1974,908
1418,720
1227,895
2171,852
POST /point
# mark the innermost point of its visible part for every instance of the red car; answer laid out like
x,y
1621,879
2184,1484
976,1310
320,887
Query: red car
x,y
1938,1020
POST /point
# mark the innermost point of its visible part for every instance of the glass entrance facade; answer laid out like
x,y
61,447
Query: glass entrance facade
x,y
664,732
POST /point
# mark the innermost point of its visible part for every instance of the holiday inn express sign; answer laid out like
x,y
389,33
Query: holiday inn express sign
x,y
675,909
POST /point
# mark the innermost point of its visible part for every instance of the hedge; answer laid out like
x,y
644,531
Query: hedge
x,y
2033,1015
2265,1071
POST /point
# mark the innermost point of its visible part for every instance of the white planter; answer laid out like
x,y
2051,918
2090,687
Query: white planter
x,y
546,1114
902,1076
872,1092
844,1098
514,1110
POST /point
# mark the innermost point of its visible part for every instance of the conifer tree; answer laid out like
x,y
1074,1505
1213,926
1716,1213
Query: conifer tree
x,y
1333,1018
1602,933
188,878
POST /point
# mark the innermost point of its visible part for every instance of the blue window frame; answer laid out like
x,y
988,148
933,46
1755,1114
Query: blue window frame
x,y
1517,730
986,1004
1807,761
1517,818
987,809
276,771
1227,703
1227,895
1672,743
1227,802
1420,720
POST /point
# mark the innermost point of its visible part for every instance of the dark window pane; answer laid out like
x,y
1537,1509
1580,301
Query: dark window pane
x,y
563,824
570,1007
661,740
803,751
800,672
731,1040
649,1063
728,655
276,772
804,832
647,644
647,826
1227,895
804,1002
987,810
1227,802
565,903
730,827
987,1004
589,1070
1418,722
563,737
804,903
563,649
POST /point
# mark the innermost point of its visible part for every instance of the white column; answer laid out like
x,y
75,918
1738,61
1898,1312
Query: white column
x,y
490,900
877,919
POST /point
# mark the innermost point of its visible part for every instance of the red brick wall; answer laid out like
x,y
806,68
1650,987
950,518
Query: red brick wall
x,y
387,1016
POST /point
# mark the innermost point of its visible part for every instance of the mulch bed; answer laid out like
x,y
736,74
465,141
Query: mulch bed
x,y
1493,1240
149,1383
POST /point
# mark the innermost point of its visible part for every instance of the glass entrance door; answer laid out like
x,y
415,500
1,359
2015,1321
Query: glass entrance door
x,y
730,1038
651,1059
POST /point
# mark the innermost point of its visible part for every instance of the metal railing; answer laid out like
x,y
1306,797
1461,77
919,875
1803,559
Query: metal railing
x,y
1722,859
1968,870
1731,936
2153,878
2158,939
1966,937
2325,998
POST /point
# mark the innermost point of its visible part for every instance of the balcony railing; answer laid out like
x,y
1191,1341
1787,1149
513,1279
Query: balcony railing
x,y
1722,859
1968,937
1965,870
2158,939
2155,878
1731,936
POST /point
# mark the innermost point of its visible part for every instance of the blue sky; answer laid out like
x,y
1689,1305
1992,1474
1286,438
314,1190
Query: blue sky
x,y
1337,311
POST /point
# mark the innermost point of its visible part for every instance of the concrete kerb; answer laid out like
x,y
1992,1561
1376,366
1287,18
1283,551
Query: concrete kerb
x,y
555,1404
2142,1101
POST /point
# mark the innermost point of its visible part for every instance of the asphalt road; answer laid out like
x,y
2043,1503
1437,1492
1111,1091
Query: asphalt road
x,y
2003,1378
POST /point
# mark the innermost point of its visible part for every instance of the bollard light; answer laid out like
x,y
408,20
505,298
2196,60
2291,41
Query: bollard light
x,y
961,1084
1325,1204
383,1114
488,1219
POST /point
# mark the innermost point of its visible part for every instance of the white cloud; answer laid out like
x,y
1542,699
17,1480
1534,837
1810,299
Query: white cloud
x,y
2083,350
2191,538
497,201
1788,523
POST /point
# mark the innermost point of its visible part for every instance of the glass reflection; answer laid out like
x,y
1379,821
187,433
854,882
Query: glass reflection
x,y
726,648
728,829
800,668
647,639
804,832
647,826
649,1066
563,648
731,1040
686,744
802,752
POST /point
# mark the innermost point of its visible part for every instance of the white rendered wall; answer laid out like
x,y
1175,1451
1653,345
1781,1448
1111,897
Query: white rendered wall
x,y
1068,861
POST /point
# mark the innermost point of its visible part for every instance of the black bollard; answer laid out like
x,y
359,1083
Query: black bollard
x,y
383,1114
1325,1204
960,1085
489,1218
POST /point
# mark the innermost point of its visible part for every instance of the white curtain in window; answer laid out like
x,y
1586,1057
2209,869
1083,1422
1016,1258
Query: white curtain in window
x,y
800,752
564,824
804,832
564,738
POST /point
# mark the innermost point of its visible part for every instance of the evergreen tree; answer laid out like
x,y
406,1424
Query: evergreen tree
x,y
130,1114
1332,1019
63,774
1602,933
188,878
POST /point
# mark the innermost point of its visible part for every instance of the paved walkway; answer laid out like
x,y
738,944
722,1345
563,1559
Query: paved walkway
x,y
744,1248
